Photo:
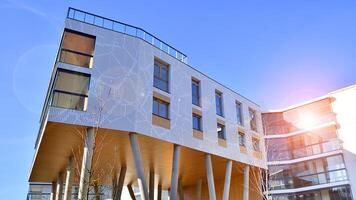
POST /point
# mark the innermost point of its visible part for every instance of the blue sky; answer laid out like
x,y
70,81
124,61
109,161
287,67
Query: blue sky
x,y
276,53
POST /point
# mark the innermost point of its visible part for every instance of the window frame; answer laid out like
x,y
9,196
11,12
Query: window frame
x,y
54,90
160,102
196,83
253,112
239,113
159,78
200,127
219,104
242,139
258,147
222,126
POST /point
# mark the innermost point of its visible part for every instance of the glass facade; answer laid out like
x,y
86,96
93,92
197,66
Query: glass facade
x,y
242,139
302,145
239,114
312,172
253,119
334,193
197,122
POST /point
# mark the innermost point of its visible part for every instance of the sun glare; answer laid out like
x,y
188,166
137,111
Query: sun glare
x,y
307,121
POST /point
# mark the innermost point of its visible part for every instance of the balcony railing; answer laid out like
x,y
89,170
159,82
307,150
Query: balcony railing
x,y
120,27
309,150
309,180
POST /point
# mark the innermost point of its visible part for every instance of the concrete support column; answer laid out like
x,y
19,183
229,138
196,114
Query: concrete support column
x,y
139,167
180,190
59,187
210,177
151,185
53,191
86,165
175,172
227,180
69,180
246,182
198,189
119,183
159,192
131,192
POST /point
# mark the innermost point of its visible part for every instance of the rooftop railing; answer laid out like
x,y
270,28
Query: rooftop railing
x,y
120,27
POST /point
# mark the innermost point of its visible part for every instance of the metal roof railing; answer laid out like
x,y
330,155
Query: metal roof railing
x,y
120,27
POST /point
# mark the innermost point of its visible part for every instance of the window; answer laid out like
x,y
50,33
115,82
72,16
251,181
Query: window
x,y
160,76
70,90
221,131
160,108
195,92
256,144
77,49
253,120
239,113
242,138
197,122
218,102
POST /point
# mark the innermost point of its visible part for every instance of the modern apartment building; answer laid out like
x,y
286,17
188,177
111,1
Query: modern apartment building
x,y
311,148
126,115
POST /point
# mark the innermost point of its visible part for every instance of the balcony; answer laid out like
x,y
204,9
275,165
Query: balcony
x,y
120,27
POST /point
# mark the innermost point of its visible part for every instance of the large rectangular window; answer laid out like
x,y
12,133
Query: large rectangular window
x,y
160,108
253,119
195,92
70,90
77,49
221,131
161,76
239,113
197,122
218,103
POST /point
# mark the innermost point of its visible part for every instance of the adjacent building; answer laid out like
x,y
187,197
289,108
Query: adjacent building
x,y
126,115
311,148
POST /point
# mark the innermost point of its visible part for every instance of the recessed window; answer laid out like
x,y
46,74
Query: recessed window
x,y
221,131
195,92
160,108
253,119
70,90
218,102
242,139
161,75
256,144
197,122
77,49
239,113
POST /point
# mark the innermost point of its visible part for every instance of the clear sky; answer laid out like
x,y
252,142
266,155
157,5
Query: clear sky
x,y
276,53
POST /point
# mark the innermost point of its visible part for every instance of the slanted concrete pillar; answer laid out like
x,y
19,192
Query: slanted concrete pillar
x,y
227,180
151,185
119,183
210,177
86,165
53,191
69,180
198,189
246,182
159,192
175,172
180,190
59,187
139,167
131,192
